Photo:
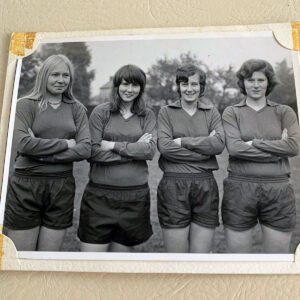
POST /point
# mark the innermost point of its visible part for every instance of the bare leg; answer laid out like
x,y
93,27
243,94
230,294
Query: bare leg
x,y
116,247
275,241
176,240
239,241
86,247
50,239
201,238
24,240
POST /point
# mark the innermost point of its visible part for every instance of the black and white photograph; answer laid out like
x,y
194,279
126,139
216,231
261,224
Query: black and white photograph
x,y
182,143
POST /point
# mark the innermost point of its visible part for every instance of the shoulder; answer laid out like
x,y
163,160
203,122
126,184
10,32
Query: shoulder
x,y
205,104
229,111
285,110
101,111
164,111
149,114
26,105
79,107
27,102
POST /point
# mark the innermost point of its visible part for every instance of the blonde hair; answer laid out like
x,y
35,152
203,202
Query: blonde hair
x,y
40,87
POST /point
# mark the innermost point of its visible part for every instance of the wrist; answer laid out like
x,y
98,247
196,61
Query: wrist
x,y
112,145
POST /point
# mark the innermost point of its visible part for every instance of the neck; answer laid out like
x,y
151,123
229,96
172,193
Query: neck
x,y
53,98
190,106
256,103
126,106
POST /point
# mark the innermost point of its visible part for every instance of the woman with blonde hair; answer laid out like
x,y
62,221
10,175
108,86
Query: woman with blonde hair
x,y
51,132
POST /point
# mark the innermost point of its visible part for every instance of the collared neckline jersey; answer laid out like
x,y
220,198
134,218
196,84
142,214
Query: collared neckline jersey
x,y
197,151
48,151
126,164
269,152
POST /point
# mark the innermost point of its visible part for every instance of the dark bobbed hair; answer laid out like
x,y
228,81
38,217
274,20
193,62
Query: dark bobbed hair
x,y
184,72
256,65
131,74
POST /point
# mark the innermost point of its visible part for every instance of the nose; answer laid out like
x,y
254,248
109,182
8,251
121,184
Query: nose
x,y
60,78
189,87
129,88
256,84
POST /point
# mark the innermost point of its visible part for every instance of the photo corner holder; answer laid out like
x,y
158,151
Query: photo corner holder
x,y
24,44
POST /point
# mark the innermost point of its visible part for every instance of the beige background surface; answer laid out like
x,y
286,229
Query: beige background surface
x,y
76,15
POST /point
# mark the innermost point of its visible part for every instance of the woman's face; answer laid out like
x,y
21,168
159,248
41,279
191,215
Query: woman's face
x,y
190,90
59,79
129,91
256,85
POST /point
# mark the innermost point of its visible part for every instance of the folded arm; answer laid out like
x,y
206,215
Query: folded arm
x,y
236,146
170,149
208,145
28,145
286,146
140,150
97,122
82,149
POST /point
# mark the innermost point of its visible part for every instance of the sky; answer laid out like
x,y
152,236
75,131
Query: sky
x,y
109,56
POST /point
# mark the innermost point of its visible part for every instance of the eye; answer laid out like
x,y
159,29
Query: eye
x,y
66,75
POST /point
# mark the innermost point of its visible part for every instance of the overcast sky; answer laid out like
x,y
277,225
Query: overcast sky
x,y
109,56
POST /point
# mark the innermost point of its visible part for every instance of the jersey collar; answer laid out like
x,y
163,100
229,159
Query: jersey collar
x,y
64,99
200,105
243,103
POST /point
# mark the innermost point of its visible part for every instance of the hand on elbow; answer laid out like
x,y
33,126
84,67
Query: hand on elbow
x,y
71,143
146,138
107,145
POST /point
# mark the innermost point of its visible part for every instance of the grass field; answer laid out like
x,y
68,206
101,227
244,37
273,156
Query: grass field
x,y
155,243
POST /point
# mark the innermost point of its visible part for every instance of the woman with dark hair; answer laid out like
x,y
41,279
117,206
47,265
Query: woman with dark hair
x,y
190,134
51,131
260,136
115,209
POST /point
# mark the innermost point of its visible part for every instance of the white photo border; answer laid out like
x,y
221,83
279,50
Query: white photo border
x,y
139,256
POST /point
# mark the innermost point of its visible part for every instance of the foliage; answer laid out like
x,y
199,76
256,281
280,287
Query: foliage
x,y
284,92
221,84
79,55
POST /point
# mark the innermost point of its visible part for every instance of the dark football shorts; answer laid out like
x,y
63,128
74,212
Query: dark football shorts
x,y
39,200
269,200
115,214
186,198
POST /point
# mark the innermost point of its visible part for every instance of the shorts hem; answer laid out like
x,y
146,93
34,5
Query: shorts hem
x,y
206,225
19,228
57,227
134,243
170,226
235,228
277,228
93,242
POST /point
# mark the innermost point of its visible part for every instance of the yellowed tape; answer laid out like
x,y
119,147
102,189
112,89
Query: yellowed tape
x,y
1,250
21,41
296,35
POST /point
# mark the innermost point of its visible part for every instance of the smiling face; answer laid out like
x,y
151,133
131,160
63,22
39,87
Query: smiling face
x,y
190,90
129,91
256,85
59,79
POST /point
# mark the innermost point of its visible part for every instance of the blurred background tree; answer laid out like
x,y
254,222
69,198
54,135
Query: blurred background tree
x,y
221,84
79,55
285,91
